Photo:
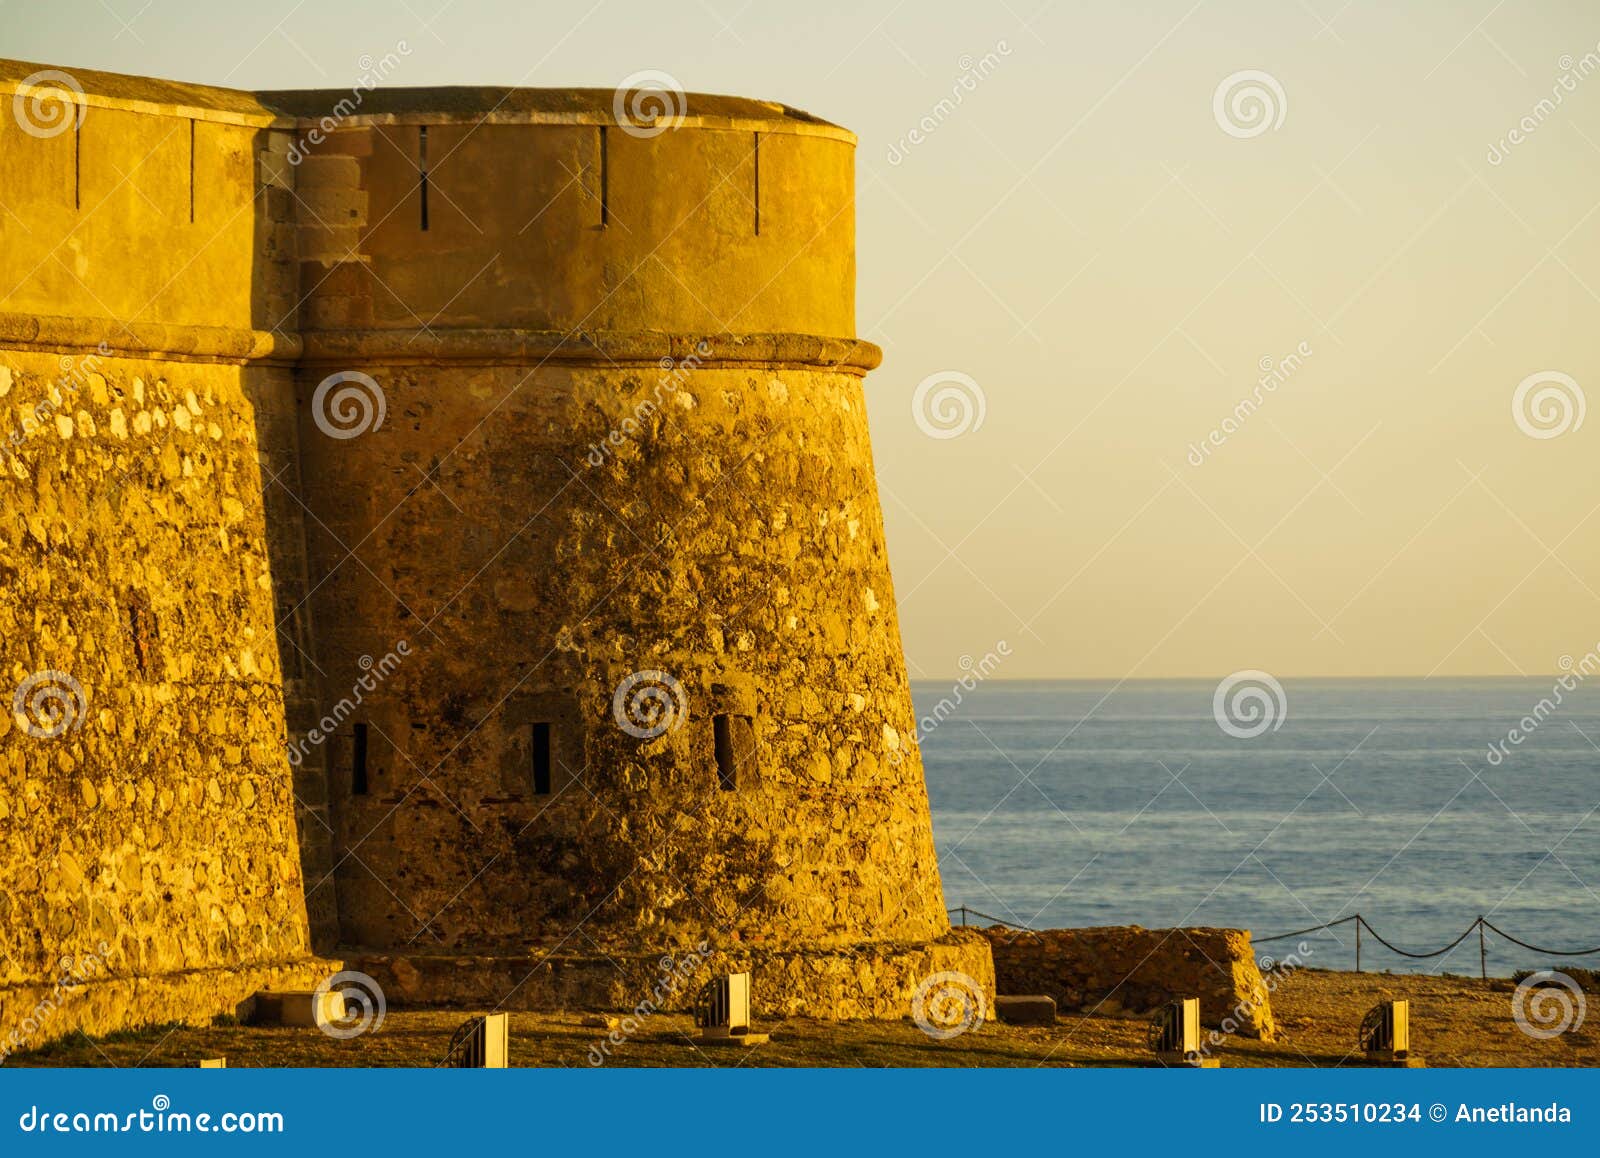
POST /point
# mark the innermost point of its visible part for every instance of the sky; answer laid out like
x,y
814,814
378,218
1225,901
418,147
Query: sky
x,y
1080,255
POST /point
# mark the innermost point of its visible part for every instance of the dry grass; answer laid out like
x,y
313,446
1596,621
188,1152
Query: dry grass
x,y
1455,1022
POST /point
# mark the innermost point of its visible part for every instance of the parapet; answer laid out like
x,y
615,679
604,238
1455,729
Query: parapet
x,y
416,210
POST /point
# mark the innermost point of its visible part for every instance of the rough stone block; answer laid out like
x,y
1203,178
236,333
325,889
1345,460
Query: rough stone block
x,y
1026,1009
320,171
308,1009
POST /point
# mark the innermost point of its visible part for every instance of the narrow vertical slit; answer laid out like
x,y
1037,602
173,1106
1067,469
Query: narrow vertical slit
x,y
422,167
757,157
605,181
541,759
77,163
727,761
358,763
191,171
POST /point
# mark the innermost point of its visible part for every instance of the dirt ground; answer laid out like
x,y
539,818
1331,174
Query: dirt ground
x,y
1455,1021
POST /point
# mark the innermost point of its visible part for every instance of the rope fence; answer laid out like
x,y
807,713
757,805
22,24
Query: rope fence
x,y
1482,925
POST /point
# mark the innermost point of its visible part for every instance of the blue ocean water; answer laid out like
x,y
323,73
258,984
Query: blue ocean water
x,y
1064,803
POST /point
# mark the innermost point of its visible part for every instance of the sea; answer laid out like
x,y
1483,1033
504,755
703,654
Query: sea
x,y
1419,804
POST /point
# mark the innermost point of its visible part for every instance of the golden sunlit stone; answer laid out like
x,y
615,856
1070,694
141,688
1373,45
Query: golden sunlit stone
x,y
607,420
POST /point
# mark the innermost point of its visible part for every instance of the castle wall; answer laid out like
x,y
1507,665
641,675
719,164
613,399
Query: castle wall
x,y
149,857
146,819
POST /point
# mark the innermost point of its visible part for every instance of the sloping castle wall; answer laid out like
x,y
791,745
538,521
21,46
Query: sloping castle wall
x,y
150,868
146,817
521,413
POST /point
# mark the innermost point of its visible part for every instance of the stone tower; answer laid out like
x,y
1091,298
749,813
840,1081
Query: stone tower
x,y
588,641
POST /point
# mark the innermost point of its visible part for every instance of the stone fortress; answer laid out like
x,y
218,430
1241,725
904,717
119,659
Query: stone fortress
x,y
438,534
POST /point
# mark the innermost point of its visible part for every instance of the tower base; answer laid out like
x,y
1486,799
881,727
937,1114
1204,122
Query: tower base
x,y
866,981
35,1014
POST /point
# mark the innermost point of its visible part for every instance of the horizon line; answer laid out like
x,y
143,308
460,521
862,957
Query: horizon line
x,y
1209,678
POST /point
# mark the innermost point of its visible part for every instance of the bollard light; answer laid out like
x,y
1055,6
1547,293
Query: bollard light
x,y
1175,1035
1385,1035
483,1043
723,1012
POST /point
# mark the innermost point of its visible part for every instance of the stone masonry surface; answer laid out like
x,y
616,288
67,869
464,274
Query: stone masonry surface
x,y
297,671
1125,968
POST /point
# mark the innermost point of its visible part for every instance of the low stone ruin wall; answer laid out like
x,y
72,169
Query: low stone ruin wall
x,y
1125,969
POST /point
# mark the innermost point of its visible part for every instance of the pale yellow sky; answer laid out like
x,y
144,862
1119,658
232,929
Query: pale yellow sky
x,y
1128,267
1083,238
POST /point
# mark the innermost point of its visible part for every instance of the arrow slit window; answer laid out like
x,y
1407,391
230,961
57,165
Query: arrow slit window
x,y
735,743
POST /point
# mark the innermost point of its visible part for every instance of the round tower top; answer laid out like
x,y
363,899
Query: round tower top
x,y
640,210
651,107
